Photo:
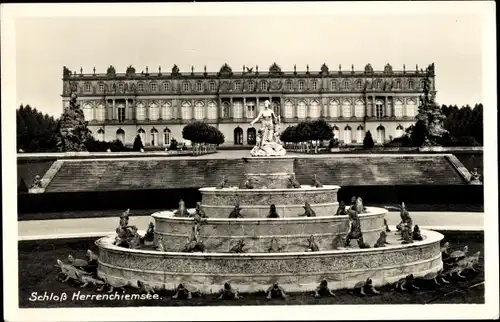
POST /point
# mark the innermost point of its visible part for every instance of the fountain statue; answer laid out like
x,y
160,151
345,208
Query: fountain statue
x,y
268,143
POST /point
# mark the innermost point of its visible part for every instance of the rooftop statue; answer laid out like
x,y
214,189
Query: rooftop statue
x,y
267,142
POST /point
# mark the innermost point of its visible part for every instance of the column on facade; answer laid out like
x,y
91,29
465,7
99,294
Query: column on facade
x,y
205,102
386,106
231,109
221,111
393,111
127,112
367,109
244,107
114,110
257,107
374,106
404,106
94,111
281,108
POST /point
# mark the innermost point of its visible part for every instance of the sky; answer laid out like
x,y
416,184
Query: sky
x,y
452,41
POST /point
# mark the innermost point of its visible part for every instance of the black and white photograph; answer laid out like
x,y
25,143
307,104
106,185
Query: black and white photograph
x,y
249,161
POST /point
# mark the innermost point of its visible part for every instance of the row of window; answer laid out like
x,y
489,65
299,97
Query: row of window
x,y
154,137
301,85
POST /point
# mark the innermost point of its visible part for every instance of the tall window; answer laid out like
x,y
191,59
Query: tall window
x,y
212,111
347,134
237,86
238,109
121,88
101,87
251,136
301,85
140,87
288,86
411,108
380,134
100,135
346,109
120,135
302,110
166,111
142,135
251,110
379,109
336,132
315,109
154,87
251,86
154,137
87,87
288,110
359,84
87,112
378,83
333,85
166,86
211,85
186,111
263,86
100,112
346,84
140,112
166,137
199,86
238,135
121,112
198,111
360,134
314,85
410,84
185,87
398,84
359,109
333,108
154,112
399,131
398,109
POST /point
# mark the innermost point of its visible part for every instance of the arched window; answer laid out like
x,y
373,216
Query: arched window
x,y
301,110
399,131
251,109
154,137
359,84
251,136
333,85
142,135
100,112
346,84
347,135
199,111
251,86
87,112
186,111
398,108
140,87
154,87
288,85
166,136
199,86
314,85
336,132
238,109
121,112
359,109
411,108
398,84
333,108
238,135
288,110
166,111
410,84
212,111
237,86
166,87
360,133
378,83
185,87
381,134
100,135
379,109
301,85
101,87
140,112
212,86
87,87
120,135
346,109
315,109
263,86
154,112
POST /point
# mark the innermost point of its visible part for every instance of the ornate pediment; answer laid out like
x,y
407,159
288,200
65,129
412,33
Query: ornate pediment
x,y
111,71
388,69
275,85
225,71
368,69
324,70
274,69
225,86
130,71
175,70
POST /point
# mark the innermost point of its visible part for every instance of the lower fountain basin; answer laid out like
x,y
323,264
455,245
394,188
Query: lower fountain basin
x,y
254,272
255,203
220,234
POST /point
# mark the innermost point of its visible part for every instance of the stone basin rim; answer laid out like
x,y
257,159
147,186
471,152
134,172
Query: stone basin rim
x,y
431,238
303,188
167,214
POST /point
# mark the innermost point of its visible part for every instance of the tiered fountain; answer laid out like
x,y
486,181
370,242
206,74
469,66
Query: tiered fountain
x,y
274,250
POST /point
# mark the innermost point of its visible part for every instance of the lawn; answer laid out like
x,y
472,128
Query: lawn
x,y
37,273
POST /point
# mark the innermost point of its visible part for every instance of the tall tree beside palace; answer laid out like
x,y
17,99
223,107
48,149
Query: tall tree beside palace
x,y
35,131
430,115
72,129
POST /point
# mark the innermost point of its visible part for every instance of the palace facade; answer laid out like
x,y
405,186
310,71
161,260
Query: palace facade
x,y
158,105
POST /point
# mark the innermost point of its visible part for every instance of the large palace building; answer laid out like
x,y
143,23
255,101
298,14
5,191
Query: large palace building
x,y
158,105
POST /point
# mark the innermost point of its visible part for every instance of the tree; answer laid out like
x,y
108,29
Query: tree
x,y
200,133
35,131
418,134
368,141
138,145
